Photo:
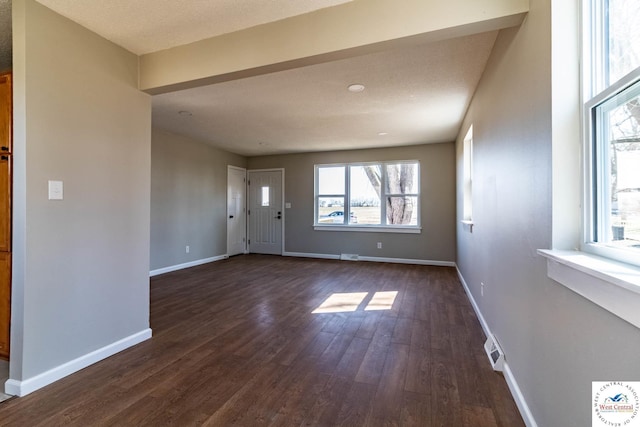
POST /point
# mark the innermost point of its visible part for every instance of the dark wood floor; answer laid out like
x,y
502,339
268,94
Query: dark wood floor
x,y
235,343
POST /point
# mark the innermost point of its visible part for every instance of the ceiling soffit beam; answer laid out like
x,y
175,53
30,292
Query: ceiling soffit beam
x,y
347,30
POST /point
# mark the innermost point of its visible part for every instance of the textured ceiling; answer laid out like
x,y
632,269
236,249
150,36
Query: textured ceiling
x,y
144,26
5,34
415,95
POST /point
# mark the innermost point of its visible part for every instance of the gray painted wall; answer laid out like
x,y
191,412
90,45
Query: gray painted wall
x,y
555,341
81,265
188,199
435,243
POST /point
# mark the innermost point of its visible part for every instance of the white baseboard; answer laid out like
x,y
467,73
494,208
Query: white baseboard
x,y
521,403
186,265
310,255
24,387
527,416
483,323
373,259
408,261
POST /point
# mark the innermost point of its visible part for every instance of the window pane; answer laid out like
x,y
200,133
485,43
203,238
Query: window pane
x,y
624,38
401,178
365,194
368,194
623,177
331,210
331,180
467,175
265,196
402,210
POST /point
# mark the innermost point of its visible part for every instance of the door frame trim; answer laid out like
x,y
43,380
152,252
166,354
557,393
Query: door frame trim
x,y
226,216
284,216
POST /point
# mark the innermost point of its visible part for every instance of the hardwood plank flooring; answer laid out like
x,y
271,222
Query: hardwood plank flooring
x,y
236,343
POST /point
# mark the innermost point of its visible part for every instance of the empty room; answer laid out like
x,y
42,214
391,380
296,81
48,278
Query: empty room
x,y
338,212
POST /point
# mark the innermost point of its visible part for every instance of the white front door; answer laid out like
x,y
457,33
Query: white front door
x,y
266,212
236,210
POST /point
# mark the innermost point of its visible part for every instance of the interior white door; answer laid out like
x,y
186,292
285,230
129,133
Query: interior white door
x,y
265,212
236,210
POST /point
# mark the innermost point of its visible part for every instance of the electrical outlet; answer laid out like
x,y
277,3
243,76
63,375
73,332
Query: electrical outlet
x,y
186,249
379,245
481,289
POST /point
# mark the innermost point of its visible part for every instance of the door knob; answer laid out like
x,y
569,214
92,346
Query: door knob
x,y
230,216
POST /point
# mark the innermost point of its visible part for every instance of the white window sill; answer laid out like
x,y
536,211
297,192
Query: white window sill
x,y
369,229
612,285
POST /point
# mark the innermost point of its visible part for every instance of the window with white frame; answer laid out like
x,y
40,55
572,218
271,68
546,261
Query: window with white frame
x,y
467,155
612,128
380,194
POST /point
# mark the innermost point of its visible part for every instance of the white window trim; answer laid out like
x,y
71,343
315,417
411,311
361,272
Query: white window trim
x,y
373,228
612,285
370,228
590,270
588,244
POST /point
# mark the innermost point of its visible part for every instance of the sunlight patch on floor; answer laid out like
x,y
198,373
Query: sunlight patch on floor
x,y
382,301
341,302
350,301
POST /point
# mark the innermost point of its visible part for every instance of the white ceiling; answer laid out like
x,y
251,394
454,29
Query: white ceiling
x,y
413,95
144,26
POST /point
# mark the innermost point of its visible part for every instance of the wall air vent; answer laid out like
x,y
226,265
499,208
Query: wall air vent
x,y
495,354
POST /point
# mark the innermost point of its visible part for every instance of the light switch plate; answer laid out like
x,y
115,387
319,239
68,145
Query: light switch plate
x,y
287,205
55,190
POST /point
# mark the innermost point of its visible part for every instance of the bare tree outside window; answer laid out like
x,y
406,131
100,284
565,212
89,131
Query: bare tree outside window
x,y
622,122
400,180
624,39
368,194
624,175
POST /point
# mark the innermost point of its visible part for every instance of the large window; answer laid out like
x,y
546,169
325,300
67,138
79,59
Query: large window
x,y
612,129
381,194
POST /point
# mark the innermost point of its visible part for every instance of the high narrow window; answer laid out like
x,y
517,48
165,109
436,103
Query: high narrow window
x,y
468,176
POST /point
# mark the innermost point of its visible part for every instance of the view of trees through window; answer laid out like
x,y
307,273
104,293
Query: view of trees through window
x,y
621,124
624,177
623,52
377,194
